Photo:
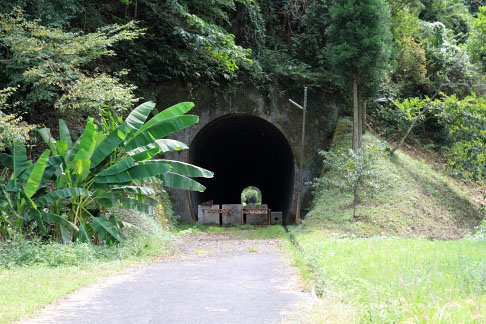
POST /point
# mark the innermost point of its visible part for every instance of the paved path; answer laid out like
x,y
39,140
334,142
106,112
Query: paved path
x,y
211,279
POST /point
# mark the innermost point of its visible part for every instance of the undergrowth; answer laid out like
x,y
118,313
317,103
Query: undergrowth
x,y
20,252
415,200
395,262
394,280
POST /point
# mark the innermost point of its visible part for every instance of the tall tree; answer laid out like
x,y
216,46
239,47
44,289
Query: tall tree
x,y
358,47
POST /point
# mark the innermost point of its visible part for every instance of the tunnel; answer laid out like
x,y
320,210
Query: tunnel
x,y
244,150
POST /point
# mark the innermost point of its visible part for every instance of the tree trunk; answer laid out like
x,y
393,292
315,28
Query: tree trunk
x,y
364,116
355,114
357,197
360,122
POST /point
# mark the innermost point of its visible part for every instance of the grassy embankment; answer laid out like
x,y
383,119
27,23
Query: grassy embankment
x,y
34,274
394,262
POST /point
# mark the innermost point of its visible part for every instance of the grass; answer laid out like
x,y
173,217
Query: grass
x,y
409,256
34,274
394,280
418,200
240,232
24,290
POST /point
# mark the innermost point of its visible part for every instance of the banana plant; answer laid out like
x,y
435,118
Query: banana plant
x,y
25,195
112,168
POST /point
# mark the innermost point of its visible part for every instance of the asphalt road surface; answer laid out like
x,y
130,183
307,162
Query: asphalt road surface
x,y
210,279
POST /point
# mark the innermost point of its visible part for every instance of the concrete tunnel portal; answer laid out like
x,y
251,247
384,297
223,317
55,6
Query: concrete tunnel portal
x,y
244,150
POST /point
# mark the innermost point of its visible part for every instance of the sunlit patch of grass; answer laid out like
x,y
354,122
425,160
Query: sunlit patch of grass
x,y
415,200
214,229
239,231
34,274
24,290
394,280
257,232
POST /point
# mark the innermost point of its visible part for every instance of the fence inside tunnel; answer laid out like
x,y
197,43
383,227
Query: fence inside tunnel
x,y
244,150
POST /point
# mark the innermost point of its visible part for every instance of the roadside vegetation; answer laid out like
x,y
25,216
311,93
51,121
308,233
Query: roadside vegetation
x,y
35,273
393,280
413,251
406,196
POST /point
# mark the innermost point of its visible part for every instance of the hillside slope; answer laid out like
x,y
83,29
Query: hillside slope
x,y
416,200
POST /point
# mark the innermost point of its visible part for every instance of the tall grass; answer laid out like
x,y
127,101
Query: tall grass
x,y
393,280
415,200
34,273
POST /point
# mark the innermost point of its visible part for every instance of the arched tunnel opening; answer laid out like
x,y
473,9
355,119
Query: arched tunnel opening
x,y
244,150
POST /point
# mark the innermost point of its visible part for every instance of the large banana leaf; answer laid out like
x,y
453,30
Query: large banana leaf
x,y
65,234
147,152
61,194
143,199
133,123
45,134
118,167
109,144
187,169
105,229
72,153
64,133
65,225
138,172
160,130
52,165
109,186
33,212
82,234
133,189
82,159
128,203
19,159
35,176
176,110
138,115
6,160
62,147
178,181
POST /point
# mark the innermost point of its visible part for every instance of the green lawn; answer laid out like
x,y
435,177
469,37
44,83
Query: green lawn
x,y
394,280
24,290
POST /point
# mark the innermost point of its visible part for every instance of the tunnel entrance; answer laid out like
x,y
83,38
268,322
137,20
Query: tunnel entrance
x,y
244,150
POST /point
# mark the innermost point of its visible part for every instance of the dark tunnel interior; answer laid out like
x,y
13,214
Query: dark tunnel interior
x,y
244,150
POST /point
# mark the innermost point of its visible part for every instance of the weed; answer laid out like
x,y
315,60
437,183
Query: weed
x,y
394,280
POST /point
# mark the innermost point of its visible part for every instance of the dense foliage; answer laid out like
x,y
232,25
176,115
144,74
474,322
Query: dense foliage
x,y
70,193
414,62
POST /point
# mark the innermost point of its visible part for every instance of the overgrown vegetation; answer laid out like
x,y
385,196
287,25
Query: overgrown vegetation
x,y
94,173
416,66
404,196
35,273
412,253
393,280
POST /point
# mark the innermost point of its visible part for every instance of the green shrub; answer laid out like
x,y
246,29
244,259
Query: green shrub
x,y
19,251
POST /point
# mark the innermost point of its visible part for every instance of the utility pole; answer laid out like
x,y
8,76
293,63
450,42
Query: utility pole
x,y
302,143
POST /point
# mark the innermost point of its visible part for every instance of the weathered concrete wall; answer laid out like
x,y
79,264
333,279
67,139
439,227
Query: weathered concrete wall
x,y
321,119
